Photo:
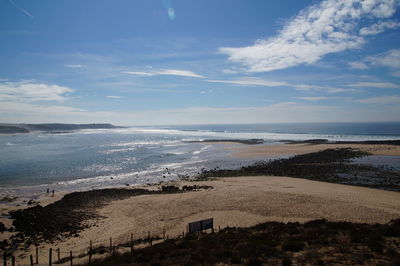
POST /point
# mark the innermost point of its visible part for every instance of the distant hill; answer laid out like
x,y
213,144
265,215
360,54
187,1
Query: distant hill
x,y
53,127
12,130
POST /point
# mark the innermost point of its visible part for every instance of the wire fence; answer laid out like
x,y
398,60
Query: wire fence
x,y
55,255
104,247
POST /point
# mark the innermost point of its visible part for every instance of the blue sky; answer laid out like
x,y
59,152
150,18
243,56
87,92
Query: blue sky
x,y
153,62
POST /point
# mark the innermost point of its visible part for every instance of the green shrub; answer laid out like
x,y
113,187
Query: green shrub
x,y
254,262
293,245
286,262
235,259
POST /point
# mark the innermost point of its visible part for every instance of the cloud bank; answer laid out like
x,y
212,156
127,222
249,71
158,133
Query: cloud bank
x,y
32,91
327,27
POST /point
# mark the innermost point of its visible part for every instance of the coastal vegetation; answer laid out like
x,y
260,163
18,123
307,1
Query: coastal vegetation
x,y
317,242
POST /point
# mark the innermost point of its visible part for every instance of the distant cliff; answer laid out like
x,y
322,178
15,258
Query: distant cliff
x,y
54,127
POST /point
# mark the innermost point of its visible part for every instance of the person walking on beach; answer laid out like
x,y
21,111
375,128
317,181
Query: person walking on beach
x,y
53,193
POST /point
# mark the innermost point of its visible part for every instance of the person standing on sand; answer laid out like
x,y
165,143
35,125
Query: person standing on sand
x,y
53,193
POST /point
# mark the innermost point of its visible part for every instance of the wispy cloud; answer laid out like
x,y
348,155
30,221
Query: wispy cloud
x,y
381,100
251,82
382,85
331,90
114,97
389,59
75,66
32,91
379,27
168,72
326,27
21,9
358,65
340,90
139,73
315,99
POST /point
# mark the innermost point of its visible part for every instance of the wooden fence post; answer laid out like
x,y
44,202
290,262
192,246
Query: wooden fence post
x,y
148,237
131,243
37,255
70,256
31,257
90,252
50,256
110,245
58,255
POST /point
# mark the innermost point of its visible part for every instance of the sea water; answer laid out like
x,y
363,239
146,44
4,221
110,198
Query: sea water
x,y
86,159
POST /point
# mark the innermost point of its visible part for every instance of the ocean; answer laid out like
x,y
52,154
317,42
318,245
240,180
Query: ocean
x,y
86,159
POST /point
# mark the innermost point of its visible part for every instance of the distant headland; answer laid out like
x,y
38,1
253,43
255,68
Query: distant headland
x,y
51,128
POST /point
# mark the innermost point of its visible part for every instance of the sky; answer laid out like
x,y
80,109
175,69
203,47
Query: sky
x,y
155,62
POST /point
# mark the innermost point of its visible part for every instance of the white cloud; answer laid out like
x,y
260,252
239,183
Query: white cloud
x,y
327,27
168,72
381,100
31,91
314,99
114,97
251,82
75,66
375,85
139,73
389,59
303,87
379,27
358,65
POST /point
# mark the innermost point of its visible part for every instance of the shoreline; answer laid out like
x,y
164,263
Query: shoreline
x,y
239,150
303,148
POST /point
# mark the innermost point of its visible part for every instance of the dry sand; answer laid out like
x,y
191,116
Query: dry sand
x,y
241,201
251,151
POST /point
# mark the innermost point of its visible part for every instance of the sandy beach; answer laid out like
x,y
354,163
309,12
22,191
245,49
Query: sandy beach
x,y
234,202
242,201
